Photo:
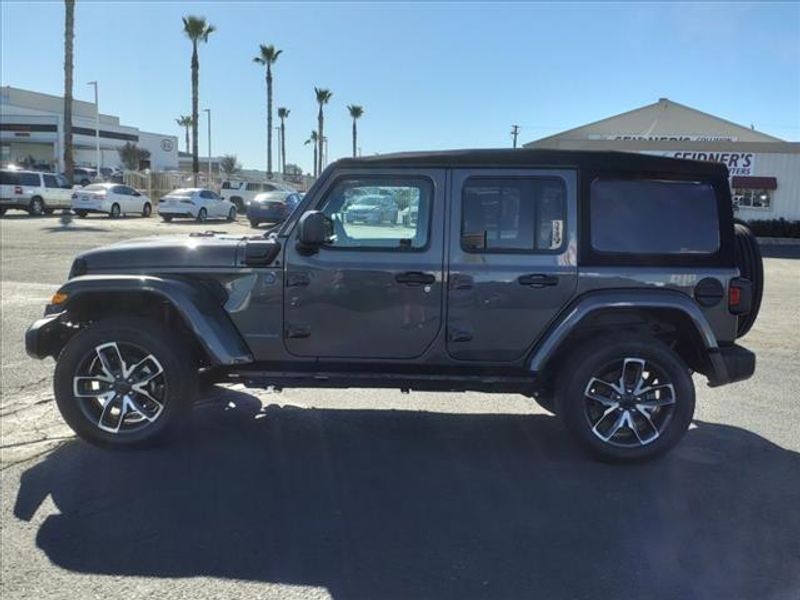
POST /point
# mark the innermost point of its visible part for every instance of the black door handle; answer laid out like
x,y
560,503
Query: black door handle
x,y
538,280
415,278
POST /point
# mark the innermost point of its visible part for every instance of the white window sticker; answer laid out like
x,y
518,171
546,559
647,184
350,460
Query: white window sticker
x,y
555,239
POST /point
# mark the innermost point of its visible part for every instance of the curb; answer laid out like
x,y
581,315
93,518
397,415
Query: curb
x,y
778,241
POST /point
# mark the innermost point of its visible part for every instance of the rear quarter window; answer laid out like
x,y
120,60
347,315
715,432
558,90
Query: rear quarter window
x,y
31,179
9,178
656,217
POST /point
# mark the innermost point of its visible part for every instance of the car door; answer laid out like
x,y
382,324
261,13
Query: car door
x,y
513,263
375,291
216,206
55,196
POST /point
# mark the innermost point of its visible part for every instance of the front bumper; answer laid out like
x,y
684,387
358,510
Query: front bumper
x,y
44,336
731,363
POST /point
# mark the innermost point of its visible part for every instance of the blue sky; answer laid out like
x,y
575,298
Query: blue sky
x,y
430,75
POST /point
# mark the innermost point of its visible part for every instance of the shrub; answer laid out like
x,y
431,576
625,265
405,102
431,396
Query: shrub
x,y
775,228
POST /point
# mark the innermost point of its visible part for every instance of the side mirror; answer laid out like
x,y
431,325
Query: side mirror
x,y
313,230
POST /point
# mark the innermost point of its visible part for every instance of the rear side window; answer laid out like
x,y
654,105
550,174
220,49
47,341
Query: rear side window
x,y
253,187
640,216
31,179
9,178
513,214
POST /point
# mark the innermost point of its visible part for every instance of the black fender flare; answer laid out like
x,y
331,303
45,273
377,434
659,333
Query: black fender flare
x,y
202,313
587,305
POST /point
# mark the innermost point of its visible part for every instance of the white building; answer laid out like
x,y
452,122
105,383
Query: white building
x,y
765,170
31,125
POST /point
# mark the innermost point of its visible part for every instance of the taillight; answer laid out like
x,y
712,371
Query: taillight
x,y
17,189
740,296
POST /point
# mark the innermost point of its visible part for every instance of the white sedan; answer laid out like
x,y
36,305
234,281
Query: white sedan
x,y
113,199
195,203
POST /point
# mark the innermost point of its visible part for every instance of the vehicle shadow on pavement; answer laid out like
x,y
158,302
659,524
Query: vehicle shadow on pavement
x,y
392,504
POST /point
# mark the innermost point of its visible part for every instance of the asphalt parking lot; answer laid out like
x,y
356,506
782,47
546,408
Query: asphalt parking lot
x,y
375,494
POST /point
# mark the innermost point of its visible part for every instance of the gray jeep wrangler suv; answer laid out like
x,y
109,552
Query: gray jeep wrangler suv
x,y
596,283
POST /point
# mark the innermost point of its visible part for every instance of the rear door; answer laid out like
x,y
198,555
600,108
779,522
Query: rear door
x,y
55,194
376,290
513,263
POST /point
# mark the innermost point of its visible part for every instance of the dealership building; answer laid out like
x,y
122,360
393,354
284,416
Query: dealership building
x,y
32,130
764,170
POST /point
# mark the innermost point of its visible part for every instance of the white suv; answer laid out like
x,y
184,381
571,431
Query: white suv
x,y
241,193
34,192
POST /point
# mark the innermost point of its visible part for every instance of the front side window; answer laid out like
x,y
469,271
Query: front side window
x,y
641,216
507,214
51,181
380,213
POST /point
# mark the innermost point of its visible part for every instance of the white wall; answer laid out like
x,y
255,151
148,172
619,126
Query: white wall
x,y
786,199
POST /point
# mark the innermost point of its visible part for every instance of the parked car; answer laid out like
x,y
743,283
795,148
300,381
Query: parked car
x,y
83,175
34,192
569,277
241,193
195,203
272,207
372,209
112,199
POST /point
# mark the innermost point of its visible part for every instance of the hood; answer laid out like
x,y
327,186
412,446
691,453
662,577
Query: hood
x,y
155,253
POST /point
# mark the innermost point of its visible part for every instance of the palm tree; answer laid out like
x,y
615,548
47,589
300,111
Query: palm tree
x,y
283,114
323,96
185,121
267,56
197,30
69,36
356,112
229,164
313,139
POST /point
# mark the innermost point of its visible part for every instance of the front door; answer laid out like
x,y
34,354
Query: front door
x,y
375,291
512,259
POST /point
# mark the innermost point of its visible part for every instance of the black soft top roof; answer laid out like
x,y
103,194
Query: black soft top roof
x,y
529,157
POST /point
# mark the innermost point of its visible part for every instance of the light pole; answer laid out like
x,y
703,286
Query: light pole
x,y
208,112
278,150
96,128
325,154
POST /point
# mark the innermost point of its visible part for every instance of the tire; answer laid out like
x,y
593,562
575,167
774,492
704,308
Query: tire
x,y
147,210
202,215
751,266
253,223
2,210
167,218
116,211
36,207
81,213
172,383
232,214
49,211
625,427
547,402
239,204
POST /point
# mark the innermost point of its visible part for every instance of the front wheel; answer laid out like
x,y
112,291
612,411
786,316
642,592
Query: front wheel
x,y
626,399
254,223
232,214
147,210
116,211
202,215
124,382
167,218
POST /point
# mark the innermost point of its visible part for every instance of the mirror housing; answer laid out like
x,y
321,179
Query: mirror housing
x,y
313,230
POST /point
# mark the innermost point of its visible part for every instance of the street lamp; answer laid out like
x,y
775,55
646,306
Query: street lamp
x,y
278,148
96,128
208,112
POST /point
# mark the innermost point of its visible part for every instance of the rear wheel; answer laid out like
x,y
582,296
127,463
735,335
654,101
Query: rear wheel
x,y
626,399
48,211
232,214
751,266
202,215
166,218
147,210
116,211
124,382
2,210
36,206
81,213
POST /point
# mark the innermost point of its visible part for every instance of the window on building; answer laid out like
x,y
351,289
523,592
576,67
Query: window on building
x,y
748,198
640,216
513,214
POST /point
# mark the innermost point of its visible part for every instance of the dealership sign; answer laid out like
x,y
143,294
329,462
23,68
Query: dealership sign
x,y
687,137
738,163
